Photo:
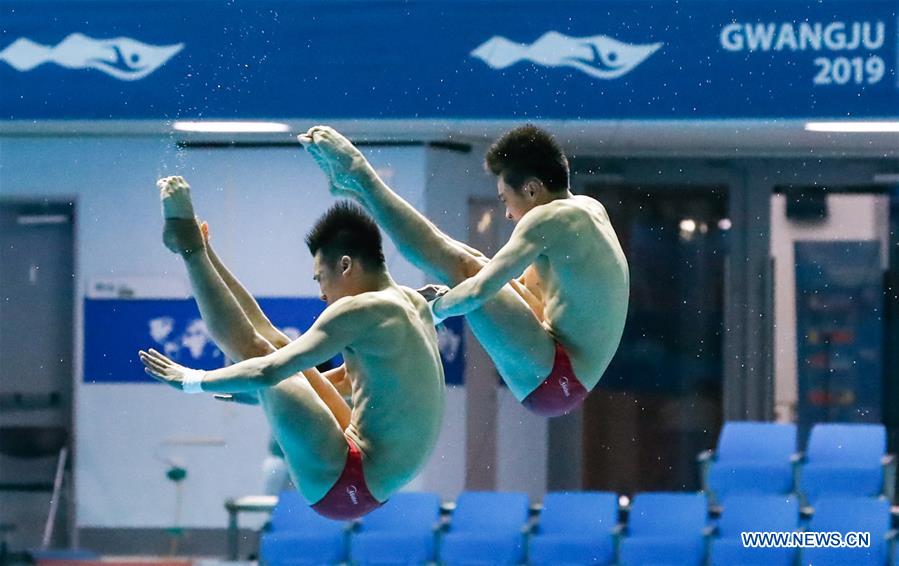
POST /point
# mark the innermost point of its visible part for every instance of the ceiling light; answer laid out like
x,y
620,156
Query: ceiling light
x,y
688,225
232,127
854,127
41,219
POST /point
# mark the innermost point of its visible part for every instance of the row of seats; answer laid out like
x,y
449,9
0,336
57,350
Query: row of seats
x,y
572,528
762,458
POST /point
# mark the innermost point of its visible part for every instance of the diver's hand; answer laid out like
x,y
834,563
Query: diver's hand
x,y
433,291
165,370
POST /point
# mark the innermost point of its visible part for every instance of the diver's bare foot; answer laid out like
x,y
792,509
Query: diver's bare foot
x,y
338,158
175,195
181,234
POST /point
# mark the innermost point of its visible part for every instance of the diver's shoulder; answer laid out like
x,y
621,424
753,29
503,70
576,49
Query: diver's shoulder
x,y
577,207
363,302
395,297
587,203
411,295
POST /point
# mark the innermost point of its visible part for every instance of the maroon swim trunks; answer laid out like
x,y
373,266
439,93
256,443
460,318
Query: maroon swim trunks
x,y
560,393
349,498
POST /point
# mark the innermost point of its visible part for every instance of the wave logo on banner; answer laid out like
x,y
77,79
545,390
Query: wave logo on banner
x,y
599,56
123,58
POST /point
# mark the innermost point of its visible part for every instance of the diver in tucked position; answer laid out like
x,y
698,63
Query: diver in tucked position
x,y
550,307
345,459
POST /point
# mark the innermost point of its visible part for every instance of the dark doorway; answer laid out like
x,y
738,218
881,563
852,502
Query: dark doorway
x,y
36,348
660,401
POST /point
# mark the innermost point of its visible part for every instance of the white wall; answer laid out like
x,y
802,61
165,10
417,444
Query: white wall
x,y
851,217
522,448
449,182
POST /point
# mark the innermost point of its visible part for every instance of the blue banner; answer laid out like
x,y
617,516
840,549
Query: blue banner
x,y
115,329
473,59
840,331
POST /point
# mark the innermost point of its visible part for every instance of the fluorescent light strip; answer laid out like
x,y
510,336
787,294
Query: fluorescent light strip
x,y
39,219
232,127
853,127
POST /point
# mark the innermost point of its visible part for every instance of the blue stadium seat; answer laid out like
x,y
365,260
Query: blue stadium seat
x,y
844,459
751,458
486,528
665,528
298,535
754,513
850,514
575,528
402,531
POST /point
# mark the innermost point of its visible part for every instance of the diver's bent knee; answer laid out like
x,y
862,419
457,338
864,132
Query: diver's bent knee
x,y
256,348
471,265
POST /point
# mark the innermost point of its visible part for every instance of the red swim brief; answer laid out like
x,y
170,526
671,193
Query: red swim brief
x,y
560,393
349,498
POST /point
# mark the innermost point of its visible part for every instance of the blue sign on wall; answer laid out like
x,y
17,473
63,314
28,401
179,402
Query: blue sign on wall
x,y
476,59
115,329
839,331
